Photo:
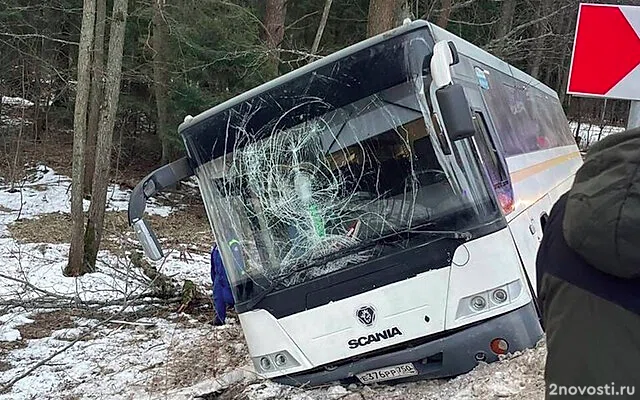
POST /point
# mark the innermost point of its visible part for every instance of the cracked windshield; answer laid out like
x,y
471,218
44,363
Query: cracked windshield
x,y
307,200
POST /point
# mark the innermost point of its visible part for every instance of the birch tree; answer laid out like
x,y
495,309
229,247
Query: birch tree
x,y
97,77
76,264
323,24
93,234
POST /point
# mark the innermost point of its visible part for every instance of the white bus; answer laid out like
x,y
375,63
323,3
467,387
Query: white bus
x,y
379,210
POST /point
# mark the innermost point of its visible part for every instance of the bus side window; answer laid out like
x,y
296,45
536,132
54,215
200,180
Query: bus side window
x,y
489,152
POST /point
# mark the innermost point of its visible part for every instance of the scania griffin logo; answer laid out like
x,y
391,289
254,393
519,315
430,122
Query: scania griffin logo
x,y
366,315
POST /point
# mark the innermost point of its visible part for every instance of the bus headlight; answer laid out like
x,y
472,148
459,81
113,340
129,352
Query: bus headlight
x,y
273,362
499,296
478,303
281,360
265,363
489,300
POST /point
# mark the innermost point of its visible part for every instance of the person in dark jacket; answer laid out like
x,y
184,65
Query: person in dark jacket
x,y
588,270
222,295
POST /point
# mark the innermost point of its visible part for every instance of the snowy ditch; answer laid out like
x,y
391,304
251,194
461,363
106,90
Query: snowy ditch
x,y
174,356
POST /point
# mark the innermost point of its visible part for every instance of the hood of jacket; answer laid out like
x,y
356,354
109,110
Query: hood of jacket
x,y
602,215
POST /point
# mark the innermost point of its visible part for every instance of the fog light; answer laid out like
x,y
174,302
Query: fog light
x,y
478,303
281,359
499,346
265,363
480,356
499,296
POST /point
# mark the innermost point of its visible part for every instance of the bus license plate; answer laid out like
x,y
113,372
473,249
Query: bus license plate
x,y
385,374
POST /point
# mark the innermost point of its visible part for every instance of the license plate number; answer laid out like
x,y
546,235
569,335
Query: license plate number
x,y
388,373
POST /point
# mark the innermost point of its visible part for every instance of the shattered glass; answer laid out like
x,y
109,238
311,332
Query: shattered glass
x,y
301,180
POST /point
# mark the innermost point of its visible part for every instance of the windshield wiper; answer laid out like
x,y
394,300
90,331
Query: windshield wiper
x,y
302,266
441,234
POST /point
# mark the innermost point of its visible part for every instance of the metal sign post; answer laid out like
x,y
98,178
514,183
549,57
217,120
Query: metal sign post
x,y
634,115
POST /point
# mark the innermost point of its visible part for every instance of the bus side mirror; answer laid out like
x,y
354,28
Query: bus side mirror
x,y
456,114
162,178
148,239
453,104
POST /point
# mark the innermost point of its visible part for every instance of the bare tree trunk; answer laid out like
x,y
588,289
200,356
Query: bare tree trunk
x,y
275,13
538,50
563,81
569,24
382,16
108,111
505,24
97,76
160,42
76,266
323,24
37,73
443,18
602,119
577,137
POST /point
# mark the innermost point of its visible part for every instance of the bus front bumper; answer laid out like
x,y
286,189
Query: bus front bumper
x,y
445,357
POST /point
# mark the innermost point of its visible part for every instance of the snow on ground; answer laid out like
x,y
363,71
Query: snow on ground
x,y
192,266
115,361
16,101
41,266
13,121
9,321
171,356
589,133
518,376
44,191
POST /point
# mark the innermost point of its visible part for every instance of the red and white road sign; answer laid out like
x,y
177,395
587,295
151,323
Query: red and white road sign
x,y
606,52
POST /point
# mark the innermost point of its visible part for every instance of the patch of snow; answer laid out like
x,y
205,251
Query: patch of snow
x,y
118,200
15,319
589,133
190,265
13,121
41,266
45,191
9,334
16,101
70,334
213,385
8,323
114,363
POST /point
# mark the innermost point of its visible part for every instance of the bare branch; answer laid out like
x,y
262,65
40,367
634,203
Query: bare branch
x,y
454,7
291,25
455,21
525,25
323,23
37,36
